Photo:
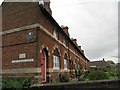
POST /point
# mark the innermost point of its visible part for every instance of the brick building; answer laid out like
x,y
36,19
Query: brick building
x,y
34,45
99,64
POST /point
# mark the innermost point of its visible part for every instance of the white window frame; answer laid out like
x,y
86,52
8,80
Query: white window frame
x,y
55,34
65,64
65,43
56,62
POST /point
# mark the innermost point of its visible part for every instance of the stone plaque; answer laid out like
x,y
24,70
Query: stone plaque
x,y
23,60
23,55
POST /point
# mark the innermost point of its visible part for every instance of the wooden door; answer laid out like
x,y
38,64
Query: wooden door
x,y
43,66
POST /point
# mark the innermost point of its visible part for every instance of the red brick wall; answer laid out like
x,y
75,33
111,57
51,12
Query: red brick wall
x,y
15,44
43,20
17,38
17,14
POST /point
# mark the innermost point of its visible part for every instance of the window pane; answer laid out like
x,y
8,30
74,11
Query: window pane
x,y
55,34
55,62
65,64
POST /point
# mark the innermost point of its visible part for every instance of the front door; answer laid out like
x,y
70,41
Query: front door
x,y
43,66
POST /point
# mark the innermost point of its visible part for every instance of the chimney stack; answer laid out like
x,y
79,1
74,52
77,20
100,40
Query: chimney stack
x,y
79,47
83,51
65,29
103,59
47,6
74,41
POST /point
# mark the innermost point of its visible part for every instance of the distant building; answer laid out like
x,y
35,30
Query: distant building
x,y
35,46
99,64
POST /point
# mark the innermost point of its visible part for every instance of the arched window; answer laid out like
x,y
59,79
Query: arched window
x,y
65,62
56,59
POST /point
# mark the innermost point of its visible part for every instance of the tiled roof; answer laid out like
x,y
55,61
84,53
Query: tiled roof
x,y
100,63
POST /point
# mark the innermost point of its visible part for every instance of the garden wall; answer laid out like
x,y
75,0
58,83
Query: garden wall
x,y
89,84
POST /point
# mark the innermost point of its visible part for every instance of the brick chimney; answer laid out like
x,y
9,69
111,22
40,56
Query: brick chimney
x,y
79,47
74,41
47,6
65,29
83,51
103,59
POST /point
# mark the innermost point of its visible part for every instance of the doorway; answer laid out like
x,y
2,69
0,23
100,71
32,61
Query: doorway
x,y
43,58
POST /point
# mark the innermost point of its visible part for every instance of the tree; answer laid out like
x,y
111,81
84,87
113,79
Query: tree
x,y
97,75
110,62
111,69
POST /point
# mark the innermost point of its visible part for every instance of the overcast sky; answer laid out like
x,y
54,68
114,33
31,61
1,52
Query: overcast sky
x,y
94,23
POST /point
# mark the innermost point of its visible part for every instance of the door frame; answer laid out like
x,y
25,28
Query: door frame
x,y
45,58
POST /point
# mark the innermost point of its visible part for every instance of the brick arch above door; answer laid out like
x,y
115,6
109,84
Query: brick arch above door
x,y
44,47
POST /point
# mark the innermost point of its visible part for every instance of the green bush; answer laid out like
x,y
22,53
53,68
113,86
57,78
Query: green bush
x,y
11,83
78,72
26,83
75,72
97,75
16,83
81,78
64,78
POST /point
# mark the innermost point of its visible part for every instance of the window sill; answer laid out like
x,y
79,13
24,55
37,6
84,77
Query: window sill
x,y
66,70
56,70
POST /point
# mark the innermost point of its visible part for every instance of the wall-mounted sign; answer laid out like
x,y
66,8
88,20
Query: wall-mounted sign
x,y
22,60
23,55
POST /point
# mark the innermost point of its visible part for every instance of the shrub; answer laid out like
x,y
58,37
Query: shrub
x,y
75,72
81,78
26,83
11,83
78,72
64,78
16,83
97,75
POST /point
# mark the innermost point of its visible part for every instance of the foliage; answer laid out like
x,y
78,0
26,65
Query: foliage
x,y
111,69
64,78
11,83
81,78
92,69
110,62
97,75
75,72
78,72
27,83
16,83
118,69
